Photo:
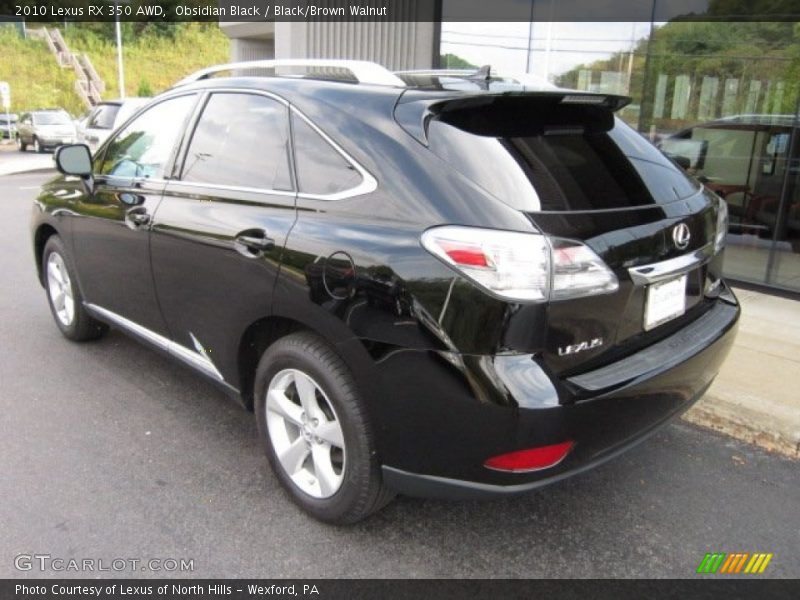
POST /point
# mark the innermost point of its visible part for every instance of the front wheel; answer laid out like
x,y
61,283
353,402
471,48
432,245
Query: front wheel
x,y
64,297
316,432
37,146
21,146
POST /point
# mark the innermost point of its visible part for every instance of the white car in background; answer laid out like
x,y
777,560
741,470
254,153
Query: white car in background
x,y
105,118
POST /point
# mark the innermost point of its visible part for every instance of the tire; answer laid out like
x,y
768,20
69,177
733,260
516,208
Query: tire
x,y
21,146
37,147
64,297
301,430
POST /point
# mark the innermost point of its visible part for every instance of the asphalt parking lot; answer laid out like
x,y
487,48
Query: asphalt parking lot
x,y
111,451
13,161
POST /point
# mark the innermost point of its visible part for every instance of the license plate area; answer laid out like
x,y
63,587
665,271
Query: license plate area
x,y
665,301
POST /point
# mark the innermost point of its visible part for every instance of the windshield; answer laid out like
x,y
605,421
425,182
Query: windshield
x,y
539,161
51,118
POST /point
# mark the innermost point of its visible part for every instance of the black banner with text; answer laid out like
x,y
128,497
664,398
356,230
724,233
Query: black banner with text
x,y
392,11
387,589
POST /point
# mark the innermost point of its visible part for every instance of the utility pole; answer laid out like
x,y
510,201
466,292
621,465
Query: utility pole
x,y
118,31
120,67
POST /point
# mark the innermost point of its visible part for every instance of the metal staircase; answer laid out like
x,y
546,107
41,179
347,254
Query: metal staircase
x,y
88,85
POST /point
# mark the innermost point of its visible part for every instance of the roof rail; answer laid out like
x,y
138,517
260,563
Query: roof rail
x,y
363,71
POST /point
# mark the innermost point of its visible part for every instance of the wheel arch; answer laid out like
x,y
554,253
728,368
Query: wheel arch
x,y
257,337
262,333
43,233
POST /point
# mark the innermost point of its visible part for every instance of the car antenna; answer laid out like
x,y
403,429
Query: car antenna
x,y
482,74
482,77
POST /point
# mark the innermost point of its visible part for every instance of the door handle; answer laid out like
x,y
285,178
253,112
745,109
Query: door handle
x,y
253,243
136,218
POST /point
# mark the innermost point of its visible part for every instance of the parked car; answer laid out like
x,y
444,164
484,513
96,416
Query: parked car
x,y
45,129
423,290
744,158
105,118
8,126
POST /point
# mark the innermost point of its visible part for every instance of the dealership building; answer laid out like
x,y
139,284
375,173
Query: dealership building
x,y
725,112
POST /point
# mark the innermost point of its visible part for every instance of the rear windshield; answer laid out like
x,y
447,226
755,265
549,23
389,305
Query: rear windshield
x,y
586,162
104,116
51,118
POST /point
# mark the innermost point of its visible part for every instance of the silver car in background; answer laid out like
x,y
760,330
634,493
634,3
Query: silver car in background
x,y
8,126
104,118
45,129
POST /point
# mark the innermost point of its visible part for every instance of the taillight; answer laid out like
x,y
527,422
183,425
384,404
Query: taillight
x,y
722,225
532,459
578,271
526,267
509,264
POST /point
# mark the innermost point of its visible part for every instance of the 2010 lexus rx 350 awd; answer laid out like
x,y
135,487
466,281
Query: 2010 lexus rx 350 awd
x,y
431,283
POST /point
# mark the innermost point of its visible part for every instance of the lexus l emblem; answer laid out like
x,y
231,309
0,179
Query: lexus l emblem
x,y
681,236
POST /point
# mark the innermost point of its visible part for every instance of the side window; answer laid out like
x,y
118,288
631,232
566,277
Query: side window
x,y
320,168
240,140
144,146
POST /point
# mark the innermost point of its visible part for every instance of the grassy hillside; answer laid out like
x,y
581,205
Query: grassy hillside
x,y
154,60
35,79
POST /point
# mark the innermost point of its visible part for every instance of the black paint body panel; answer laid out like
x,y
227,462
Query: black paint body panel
x,y
450,374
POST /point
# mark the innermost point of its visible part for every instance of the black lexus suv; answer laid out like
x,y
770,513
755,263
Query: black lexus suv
x,y
448,284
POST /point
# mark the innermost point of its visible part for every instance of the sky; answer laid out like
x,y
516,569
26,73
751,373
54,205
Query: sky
x,y
556,47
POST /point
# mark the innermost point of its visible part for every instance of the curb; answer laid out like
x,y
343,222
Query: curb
x,y
745,424
28,171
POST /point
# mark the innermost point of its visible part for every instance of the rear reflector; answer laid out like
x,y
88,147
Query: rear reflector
x,y
532,459
465,254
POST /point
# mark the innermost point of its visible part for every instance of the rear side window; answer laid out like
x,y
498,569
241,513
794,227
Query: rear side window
x,y
103,117
574,165
321,169
241,140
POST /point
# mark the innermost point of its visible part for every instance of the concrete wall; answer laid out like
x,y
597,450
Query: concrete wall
x,y
406,45
251,49
413,44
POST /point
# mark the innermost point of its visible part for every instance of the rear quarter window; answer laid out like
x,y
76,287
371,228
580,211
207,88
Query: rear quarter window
x,y
321,169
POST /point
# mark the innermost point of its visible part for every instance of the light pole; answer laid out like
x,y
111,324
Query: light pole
x,y
120,67
118,31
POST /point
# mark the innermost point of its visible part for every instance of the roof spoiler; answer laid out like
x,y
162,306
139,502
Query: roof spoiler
x,y
415,109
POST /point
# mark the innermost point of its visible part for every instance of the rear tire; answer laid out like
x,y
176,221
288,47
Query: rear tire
x,y
316,432
64,297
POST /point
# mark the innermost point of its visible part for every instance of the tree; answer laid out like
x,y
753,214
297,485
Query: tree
x,y
453,61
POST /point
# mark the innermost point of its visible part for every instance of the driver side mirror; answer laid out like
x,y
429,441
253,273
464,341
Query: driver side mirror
x,y
74,159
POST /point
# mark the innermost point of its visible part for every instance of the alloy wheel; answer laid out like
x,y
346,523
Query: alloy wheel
x,y
305,433
59,287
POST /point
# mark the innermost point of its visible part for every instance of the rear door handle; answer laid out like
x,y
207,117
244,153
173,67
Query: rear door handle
x,y
253,242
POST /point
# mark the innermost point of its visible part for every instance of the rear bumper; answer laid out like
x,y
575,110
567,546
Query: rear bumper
x,y
444,447
51,142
